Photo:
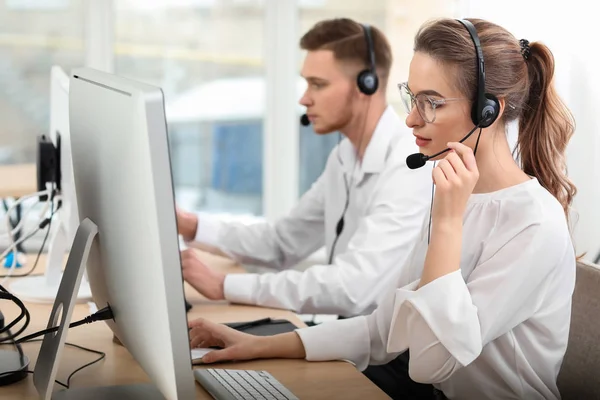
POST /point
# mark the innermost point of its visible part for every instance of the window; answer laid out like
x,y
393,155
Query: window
x,y
34,36
207,57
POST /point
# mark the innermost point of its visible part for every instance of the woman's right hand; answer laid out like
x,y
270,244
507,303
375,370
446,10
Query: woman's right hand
x,y
235,345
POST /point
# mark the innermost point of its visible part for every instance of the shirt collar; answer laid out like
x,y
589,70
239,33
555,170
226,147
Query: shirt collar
x,y
377,150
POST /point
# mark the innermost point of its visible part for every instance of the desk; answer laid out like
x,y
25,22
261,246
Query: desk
x,y
17,180
307,380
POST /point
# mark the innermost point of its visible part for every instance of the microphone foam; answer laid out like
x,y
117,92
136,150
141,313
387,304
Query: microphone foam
x,y
416,160
304,120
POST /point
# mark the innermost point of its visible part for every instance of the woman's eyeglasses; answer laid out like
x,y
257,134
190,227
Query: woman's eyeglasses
x,y
426,104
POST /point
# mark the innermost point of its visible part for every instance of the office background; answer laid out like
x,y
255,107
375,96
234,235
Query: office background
x,y
230,73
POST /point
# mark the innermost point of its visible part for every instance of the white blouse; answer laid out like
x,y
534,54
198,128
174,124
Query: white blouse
x,y
495,329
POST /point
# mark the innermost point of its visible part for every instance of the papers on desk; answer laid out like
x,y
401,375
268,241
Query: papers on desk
x,y
197,355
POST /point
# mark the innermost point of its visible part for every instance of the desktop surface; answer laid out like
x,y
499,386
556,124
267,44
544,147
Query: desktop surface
x,y
310,380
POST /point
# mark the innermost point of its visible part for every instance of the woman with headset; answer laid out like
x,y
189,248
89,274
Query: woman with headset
x,y
483,308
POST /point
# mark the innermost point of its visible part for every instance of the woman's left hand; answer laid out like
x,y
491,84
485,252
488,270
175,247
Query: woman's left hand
x,y
235,345
455,177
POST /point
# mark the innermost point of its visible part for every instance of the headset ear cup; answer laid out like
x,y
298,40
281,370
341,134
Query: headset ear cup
x,y
490,111
367,82
475,117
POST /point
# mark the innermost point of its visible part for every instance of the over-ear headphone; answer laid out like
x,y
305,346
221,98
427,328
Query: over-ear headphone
x,y
367,79
486,107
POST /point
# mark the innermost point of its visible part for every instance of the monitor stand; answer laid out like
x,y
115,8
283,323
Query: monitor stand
x,y
53,344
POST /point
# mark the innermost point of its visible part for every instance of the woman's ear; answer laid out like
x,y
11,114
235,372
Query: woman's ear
x,y
502,103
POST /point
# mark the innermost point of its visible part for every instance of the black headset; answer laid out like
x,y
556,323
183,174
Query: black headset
x,y
486,107
367,82
367,79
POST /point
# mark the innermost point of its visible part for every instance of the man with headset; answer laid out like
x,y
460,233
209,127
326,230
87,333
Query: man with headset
x,y
367,208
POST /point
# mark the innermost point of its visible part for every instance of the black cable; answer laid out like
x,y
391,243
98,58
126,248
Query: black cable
x,y
340,224
430,208
100,315
49,219
46,223
8,296
97,360
338,229
477,143
67,385
4,294
432,185
103,314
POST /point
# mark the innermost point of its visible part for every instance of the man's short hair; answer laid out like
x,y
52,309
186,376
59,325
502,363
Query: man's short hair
x,y
346,39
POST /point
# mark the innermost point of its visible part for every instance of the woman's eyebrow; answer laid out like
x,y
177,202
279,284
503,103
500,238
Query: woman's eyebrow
x,y
430,92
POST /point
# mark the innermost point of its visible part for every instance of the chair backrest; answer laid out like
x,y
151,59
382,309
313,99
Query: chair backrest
x,y
579,377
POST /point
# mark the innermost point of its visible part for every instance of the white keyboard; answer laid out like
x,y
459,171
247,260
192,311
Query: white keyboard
x,y
232,384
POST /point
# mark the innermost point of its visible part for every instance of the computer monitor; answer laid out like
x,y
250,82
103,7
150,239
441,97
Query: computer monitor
x,y
124,190
43,289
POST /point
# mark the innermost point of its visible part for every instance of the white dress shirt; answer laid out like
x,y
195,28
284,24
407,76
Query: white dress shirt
x,y
495,329
388,204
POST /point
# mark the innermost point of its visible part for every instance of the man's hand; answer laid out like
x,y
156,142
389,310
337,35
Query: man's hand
x,y
187,224
207,281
